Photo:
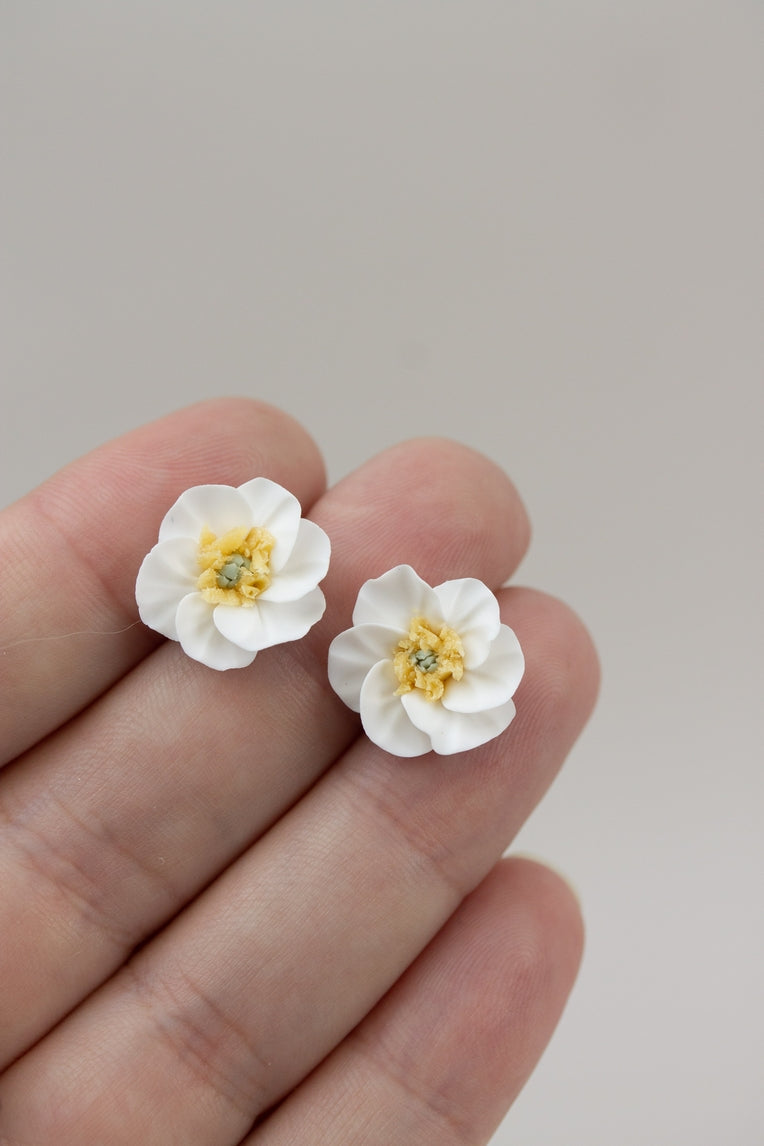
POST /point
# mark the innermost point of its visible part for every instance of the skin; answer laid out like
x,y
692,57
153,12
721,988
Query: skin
x,y
226,916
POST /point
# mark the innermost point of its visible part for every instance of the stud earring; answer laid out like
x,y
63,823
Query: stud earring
x,y
428,669
235,570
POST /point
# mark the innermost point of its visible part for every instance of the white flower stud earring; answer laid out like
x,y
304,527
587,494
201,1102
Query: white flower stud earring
x,y
235,570
429,669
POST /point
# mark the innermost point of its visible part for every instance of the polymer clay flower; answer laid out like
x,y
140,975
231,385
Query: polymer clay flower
x,y
235,570
429,669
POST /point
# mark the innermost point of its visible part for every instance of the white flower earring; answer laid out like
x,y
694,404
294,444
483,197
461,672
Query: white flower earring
x,y
235,570
429,669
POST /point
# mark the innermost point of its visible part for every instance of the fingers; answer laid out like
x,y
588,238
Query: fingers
x,y
439,1061
435,505
76,544
114,824
255,983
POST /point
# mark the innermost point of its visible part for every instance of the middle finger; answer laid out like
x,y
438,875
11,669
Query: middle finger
x,y
110,834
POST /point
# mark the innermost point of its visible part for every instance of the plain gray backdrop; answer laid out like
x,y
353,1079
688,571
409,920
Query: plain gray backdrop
x,y
532,226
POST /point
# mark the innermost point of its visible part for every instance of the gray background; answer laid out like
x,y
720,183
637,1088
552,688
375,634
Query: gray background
x,y
535,227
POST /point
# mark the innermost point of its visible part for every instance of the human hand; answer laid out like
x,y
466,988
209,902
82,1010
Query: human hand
x,y
226,916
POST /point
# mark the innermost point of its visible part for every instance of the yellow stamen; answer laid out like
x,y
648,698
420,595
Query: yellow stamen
x,y
428,658
236,568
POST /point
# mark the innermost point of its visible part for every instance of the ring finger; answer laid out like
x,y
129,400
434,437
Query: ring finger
x,y
442,1057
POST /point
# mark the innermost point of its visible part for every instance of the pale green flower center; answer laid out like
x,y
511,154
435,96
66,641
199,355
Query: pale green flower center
x,y
235,568
428,658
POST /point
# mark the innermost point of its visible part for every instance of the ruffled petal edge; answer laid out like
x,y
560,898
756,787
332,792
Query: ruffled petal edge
x,y
269,623
167,575
307,564
471,610
215,507
452,732
352,654
394,598
274,508
384,718
201,640
492,682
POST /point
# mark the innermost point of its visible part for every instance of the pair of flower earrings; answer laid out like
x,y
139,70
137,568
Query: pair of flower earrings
x,y
237,570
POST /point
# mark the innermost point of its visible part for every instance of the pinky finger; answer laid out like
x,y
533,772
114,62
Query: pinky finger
x,y
443,1056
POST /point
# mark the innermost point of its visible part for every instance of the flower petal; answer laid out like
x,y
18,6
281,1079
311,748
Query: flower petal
x,y
276,509
168,573
394,598
201,640
471,609
491,683
353,653
383,716
306,565
216,507
269,623
455,731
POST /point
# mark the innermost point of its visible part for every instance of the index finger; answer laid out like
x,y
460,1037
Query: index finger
x,y
67,597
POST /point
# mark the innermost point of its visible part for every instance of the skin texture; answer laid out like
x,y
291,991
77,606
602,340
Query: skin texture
x,y
227,916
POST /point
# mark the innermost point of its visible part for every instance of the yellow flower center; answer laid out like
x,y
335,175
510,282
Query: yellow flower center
x,y
236,568
427,658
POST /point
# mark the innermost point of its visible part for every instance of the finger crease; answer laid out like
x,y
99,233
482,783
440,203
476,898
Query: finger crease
x,y
78,880
436,1103
427,847
206,1039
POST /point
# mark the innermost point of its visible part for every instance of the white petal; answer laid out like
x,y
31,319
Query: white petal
x,y
383,716
491,683
394,598
276,509
201,640
455,731
353,653
268,623
215,507
306,566
471,609
168,573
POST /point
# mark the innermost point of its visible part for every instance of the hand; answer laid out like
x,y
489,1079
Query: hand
x,y
226,916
